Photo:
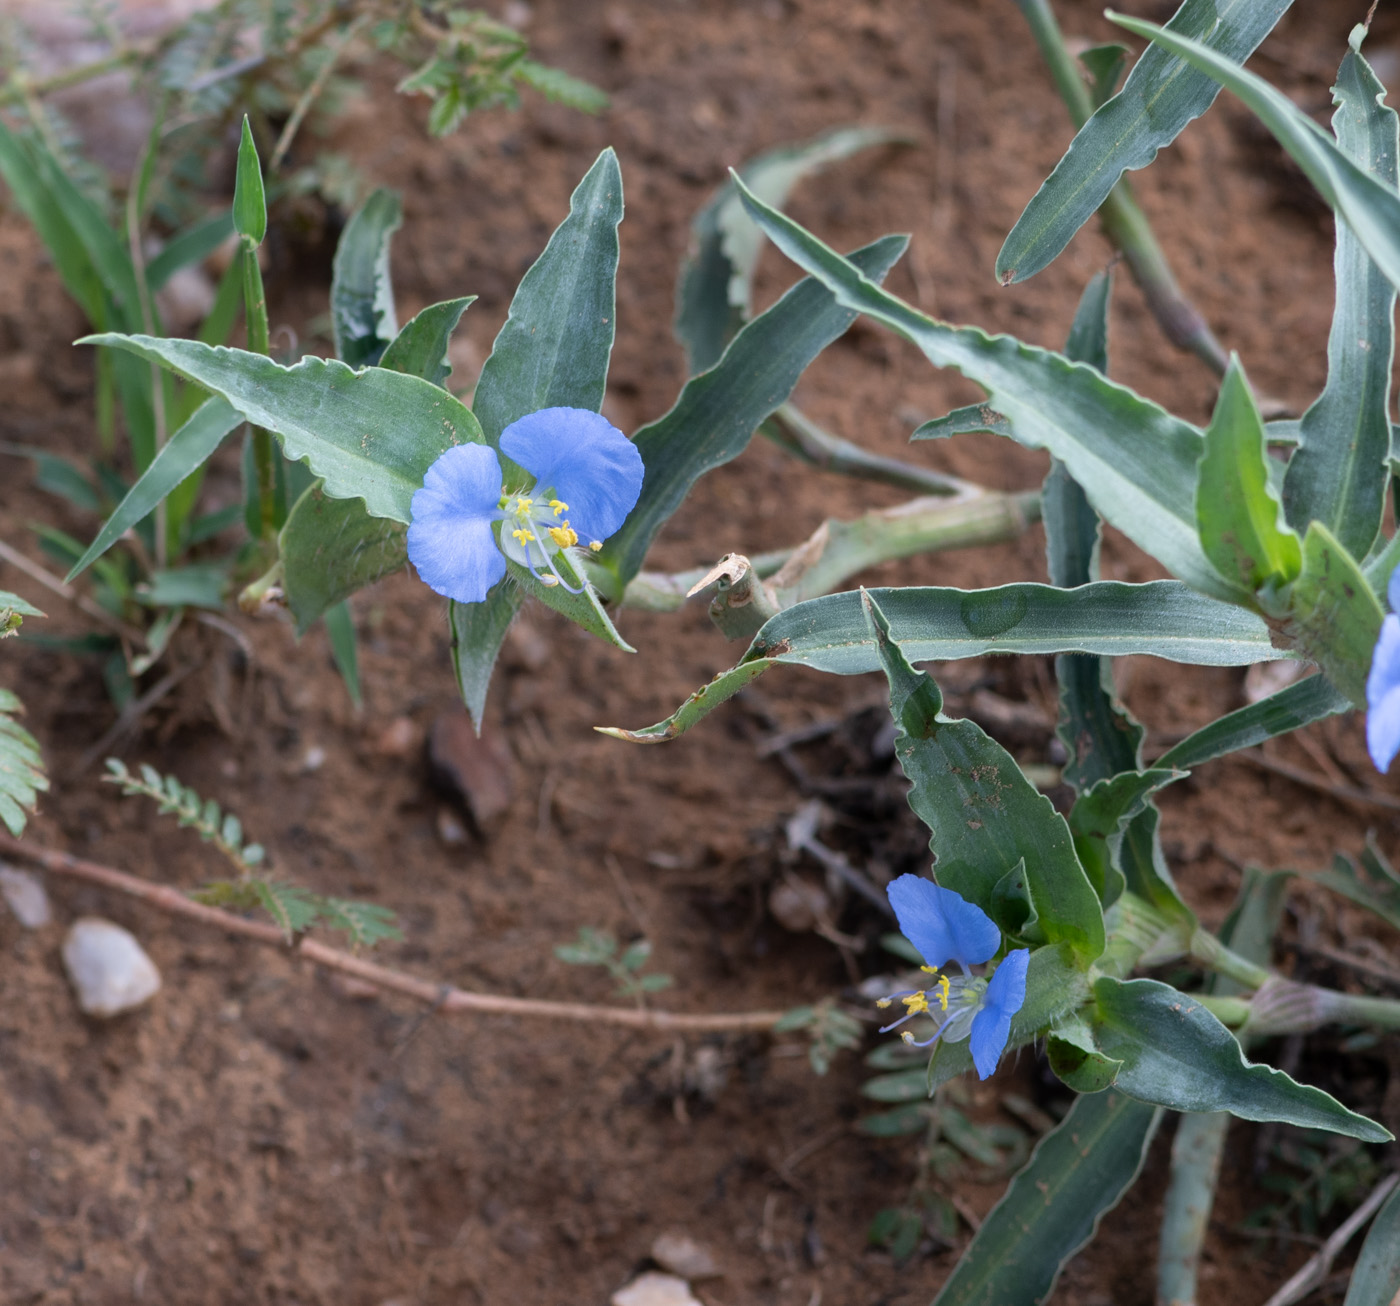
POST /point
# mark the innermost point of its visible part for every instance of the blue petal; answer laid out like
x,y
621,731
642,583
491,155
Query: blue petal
x,y
451,541
1006,994
1383,696
1393,590
943,925
585,460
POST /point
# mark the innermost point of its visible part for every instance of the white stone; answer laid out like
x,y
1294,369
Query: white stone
x,y
109,969
652,1289
682,1255
24,894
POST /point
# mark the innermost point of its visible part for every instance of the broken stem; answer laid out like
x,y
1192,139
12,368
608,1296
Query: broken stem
x,y
444,997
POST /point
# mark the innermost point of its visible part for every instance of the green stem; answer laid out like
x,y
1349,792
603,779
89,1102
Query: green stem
x,y
1195,1166
1124,223
1209,952
255,311
791,429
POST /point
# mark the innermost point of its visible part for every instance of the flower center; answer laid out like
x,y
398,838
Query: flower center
x,y
952,1002
534,531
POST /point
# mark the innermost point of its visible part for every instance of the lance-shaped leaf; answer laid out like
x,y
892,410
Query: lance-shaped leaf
x,y
249,202
332,547
1240,520
370,435
1177,1054
362,296
1162,94
1162,618
553,351
716,282
1078,1173
1367,205
1075,1058
1337,476
1289,709
1101,814
1135,461
718,411
1376,1279
554,347
984,815
184,453
1336,617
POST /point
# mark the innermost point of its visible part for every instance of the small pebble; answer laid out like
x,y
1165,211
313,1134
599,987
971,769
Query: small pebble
x,y
25,896
109,969
652,1289
682,1255
400,738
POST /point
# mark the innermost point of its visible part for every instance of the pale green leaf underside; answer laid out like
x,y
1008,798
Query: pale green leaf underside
x,y
369,435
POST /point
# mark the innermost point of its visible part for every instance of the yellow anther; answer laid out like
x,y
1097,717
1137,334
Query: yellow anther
x,y
943,992
916,1002
929,970
595,545
559,508
523,505
564,536
549,581
907,1036
524,536
884,1002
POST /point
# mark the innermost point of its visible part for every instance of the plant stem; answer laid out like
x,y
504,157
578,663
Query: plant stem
x,y
1124,223
838,550
255,310
1208,951
442,997
1195,1166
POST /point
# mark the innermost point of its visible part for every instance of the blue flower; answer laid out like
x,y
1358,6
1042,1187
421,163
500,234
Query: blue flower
x,y
1383,687
587,477
945,927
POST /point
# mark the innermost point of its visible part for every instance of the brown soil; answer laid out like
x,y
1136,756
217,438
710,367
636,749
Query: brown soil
x,y
259,1133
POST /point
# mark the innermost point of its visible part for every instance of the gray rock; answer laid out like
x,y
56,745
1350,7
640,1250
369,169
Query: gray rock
x,y
682,1255
25,896
109,969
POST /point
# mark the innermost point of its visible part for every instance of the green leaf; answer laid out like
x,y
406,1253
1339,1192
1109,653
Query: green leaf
x,y
1376,1279
556,85
193,244
718,411
199,585
1161,618
553,351
1291,708
984,815
292,908
22,776
370,435
362,296
1078,1172
1075,1058
332,547
340,630
1336,617
554,347
1367,205
1337,475
13,610
716,281
1159,98
1240,520
1135,461
1104,64
366,923
1099,817
420,348
184,453
1177,1054
249,203
1367,885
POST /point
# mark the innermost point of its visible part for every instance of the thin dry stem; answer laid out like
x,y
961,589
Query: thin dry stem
x,y
444,997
